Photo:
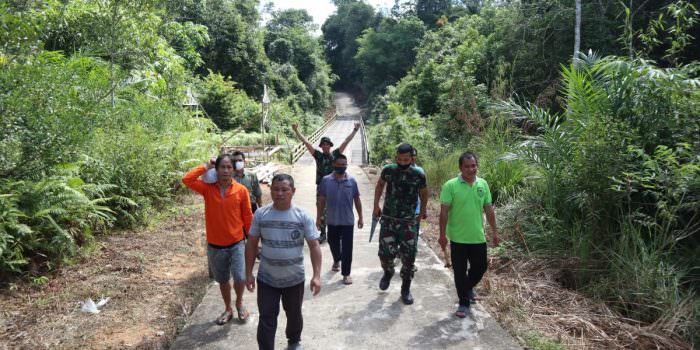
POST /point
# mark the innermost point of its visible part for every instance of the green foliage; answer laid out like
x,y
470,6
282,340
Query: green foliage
x,y
298,65
402,126
616,190
385,55
227,106
536,341
187,38
340,33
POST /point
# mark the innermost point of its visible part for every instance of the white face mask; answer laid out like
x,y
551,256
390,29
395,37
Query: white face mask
x,y
239,165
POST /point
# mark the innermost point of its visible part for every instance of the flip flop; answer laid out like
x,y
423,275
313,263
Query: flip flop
x,y
224,318
242,313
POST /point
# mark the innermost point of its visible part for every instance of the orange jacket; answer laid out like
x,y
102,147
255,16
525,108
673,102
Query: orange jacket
x,y
225,217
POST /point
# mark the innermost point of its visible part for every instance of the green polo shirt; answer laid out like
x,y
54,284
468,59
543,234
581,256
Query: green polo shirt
x,y
465,220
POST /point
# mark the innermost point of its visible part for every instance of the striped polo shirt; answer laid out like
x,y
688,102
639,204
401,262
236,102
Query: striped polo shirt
x,y
282,233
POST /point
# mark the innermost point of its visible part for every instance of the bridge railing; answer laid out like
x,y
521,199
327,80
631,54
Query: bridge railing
x,y
298,150
365,142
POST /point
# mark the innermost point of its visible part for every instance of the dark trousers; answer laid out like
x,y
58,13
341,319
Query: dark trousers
x,y
474,256
269,307
340,241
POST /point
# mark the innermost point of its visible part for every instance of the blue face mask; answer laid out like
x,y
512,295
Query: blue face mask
x,y
340,169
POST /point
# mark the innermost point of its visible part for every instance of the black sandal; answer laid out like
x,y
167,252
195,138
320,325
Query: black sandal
x,y
224,318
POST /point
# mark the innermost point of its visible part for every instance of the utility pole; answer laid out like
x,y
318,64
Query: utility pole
x,y
263,121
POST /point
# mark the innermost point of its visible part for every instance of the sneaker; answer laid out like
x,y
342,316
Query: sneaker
x,y
336,266
347,280
294,346
462,311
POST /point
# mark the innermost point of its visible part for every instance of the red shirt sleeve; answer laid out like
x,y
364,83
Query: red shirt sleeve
x,y
191,179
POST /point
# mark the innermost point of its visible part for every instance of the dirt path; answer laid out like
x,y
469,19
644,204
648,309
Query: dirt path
x,y
154,277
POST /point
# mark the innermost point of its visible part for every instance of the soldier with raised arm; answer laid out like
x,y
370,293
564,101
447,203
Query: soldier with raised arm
x,y
324,161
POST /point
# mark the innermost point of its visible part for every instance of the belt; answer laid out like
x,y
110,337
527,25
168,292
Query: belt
x,y
224,246
399,219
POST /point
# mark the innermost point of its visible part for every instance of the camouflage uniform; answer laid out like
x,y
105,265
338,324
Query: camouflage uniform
x,y
398,235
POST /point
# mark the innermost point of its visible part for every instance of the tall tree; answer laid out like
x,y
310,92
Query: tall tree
x,y
340,33
297,59
387,53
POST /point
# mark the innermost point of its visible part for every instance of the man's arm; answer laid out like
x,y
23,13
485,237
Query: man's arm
x,y
315,250
444,210
491,218
358,207
257,192
303,139
349,138
378,190
251,250
246,212
191,178
423,193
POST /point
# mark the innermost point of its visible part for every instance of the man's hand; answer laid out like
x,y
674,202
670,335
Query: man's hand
x,y
357,126
295,127
443,242
250,283
211,163
494,237
360,223
315,285
377,211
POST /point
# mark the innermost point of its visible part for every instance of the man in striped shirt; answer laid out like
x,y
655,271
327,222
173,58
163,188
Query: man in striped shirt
x,y
283,228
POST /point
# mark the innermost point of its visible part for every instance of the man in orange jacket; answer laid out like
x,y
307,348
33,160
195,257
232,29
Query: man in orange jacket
x,y
227,213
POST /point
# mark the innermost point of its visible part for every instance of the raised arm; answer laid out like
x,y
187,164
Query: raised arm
x,y
349,138
191,178
303,139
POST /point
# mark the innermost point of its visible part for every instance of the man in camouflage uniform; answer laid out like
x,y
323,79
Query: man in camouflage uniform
x,y
324,162
398,235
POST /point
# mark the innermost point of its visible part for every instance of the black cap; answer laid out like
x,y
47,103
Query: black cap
x,y
325,139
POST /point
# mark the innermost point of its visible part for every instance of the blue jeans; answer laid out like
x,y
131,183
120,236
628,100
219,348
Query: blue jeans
x,y
340,241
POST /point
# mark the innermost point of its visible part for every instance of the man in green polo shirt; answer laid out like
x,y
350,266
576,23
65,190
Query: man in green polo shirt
x,y
464,199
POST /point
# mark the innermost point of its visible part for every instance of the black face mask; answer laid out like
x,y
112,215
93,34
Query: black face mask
x,y
340,169
403,166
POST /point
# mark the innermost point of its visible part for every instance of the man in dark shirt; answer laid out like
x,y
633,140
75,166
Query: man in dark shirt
x,y
398,236
324,161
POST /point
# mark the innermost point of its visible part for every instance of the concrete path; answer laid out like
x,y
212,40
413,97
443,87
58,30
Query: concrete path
x,y
358,316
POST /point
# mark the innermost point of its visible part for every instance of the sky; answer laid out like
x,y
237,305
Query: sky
x,y
321,9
